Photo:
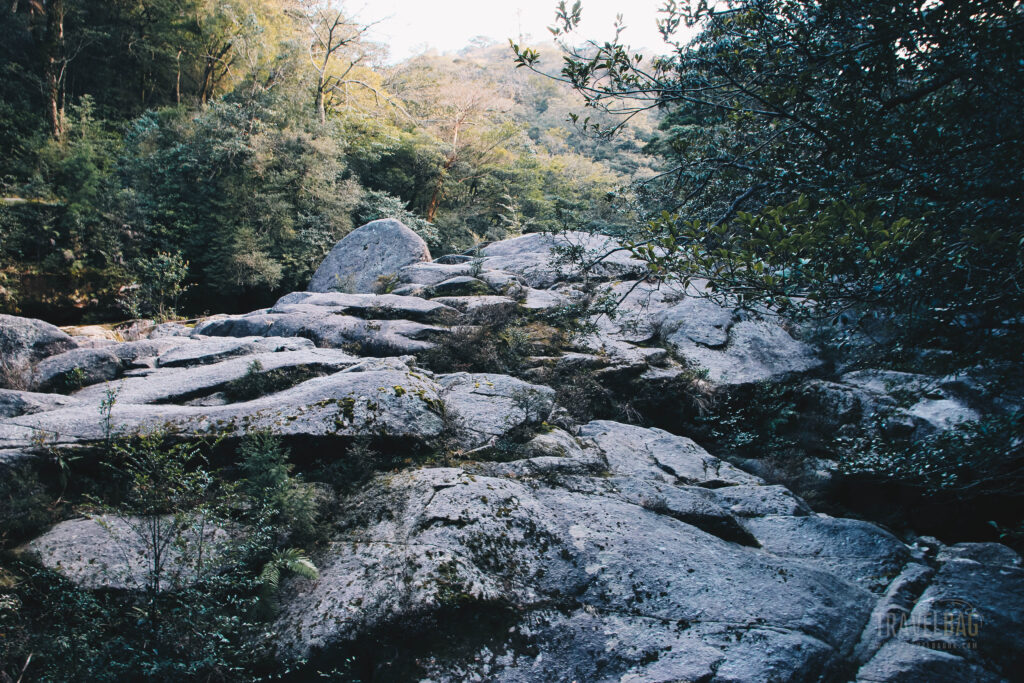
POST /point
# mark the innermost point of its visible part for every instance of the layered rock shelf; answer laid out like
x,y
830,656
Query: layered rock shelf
x,y
602,550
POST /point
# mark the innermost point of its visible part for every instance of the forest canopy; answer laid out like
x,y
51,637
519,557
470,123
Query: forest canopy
x,y
832,158
845,160
236,141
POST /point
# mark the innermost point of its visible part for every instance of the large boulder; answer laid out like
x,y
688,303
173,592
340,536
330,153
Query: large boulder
x,y
732,349
84,366
481,308
327,329
201,351
619,555
610,557
857,551
966,623
205,384
658,455
23,342
427,274
377,249
542,259
368,306
75,368
490,405
373,324
17,403
463,285
119,552
868,407
380,398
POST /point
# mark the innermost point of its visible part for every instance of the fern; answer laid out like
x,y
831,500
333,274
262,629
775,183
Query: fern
x,y
289,561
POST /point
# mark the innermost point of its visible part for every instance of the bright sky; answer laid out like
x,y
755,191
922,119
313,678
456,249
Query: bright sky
x,y
411,26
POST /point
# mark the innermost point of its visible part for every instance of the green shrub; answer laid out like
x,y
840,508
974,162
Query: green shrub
x,y
158,286
498,345
210,628
256,382
287,503
980,458
24,504
360,460
73,380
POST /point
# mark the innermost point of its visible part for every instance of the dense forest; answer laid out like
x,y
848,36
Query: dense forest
x,y
832,159
208,154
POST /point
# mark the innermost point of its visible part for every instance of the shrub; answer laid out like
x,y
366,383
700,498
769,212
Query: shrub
x,y
577,318
356,465
169,499
498,345
256,382
386,284
288,503
976,459
24,504
206,628
159,284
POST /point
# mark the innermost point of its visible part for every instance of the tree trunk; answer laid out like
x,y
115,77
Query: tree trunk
x,y
321,107
54,67
210,77
205,87
435,198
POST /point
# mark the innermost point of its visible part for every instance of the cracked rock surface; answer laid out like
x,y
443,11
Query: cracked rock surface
x,y
600,551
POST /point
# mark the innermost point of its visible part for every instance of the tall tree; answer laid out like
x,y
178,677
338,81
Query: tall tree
x,y
336,49
835,154
56,63
466,109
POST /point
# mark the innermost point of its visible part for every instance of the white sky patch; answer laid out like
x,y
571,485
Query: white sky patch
x,y
409,27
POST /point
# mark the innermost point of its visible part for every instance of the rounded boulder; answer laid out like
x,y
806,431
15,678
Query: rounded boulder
x,y
377,249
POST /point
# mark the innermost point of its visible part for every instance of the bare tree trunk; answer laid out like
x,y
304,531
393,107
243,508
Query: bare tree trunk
x,y
54,67
204,88
177,82
321,107
435,197
210,76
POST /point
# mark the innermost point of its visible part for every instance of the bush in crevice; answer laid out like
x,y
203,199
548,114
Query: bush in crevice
x,y
756,421
257,382
584,397
578,317
973,460
760,425
25,504
356,464
497,347
284,500
626,396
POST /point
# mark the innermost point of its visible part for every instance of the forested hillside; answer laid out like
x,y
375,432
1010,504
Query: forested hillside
x,y
198,155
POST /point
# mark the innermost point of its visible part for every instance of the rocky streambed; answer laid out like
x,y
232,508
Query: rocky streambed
x,y
543,546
